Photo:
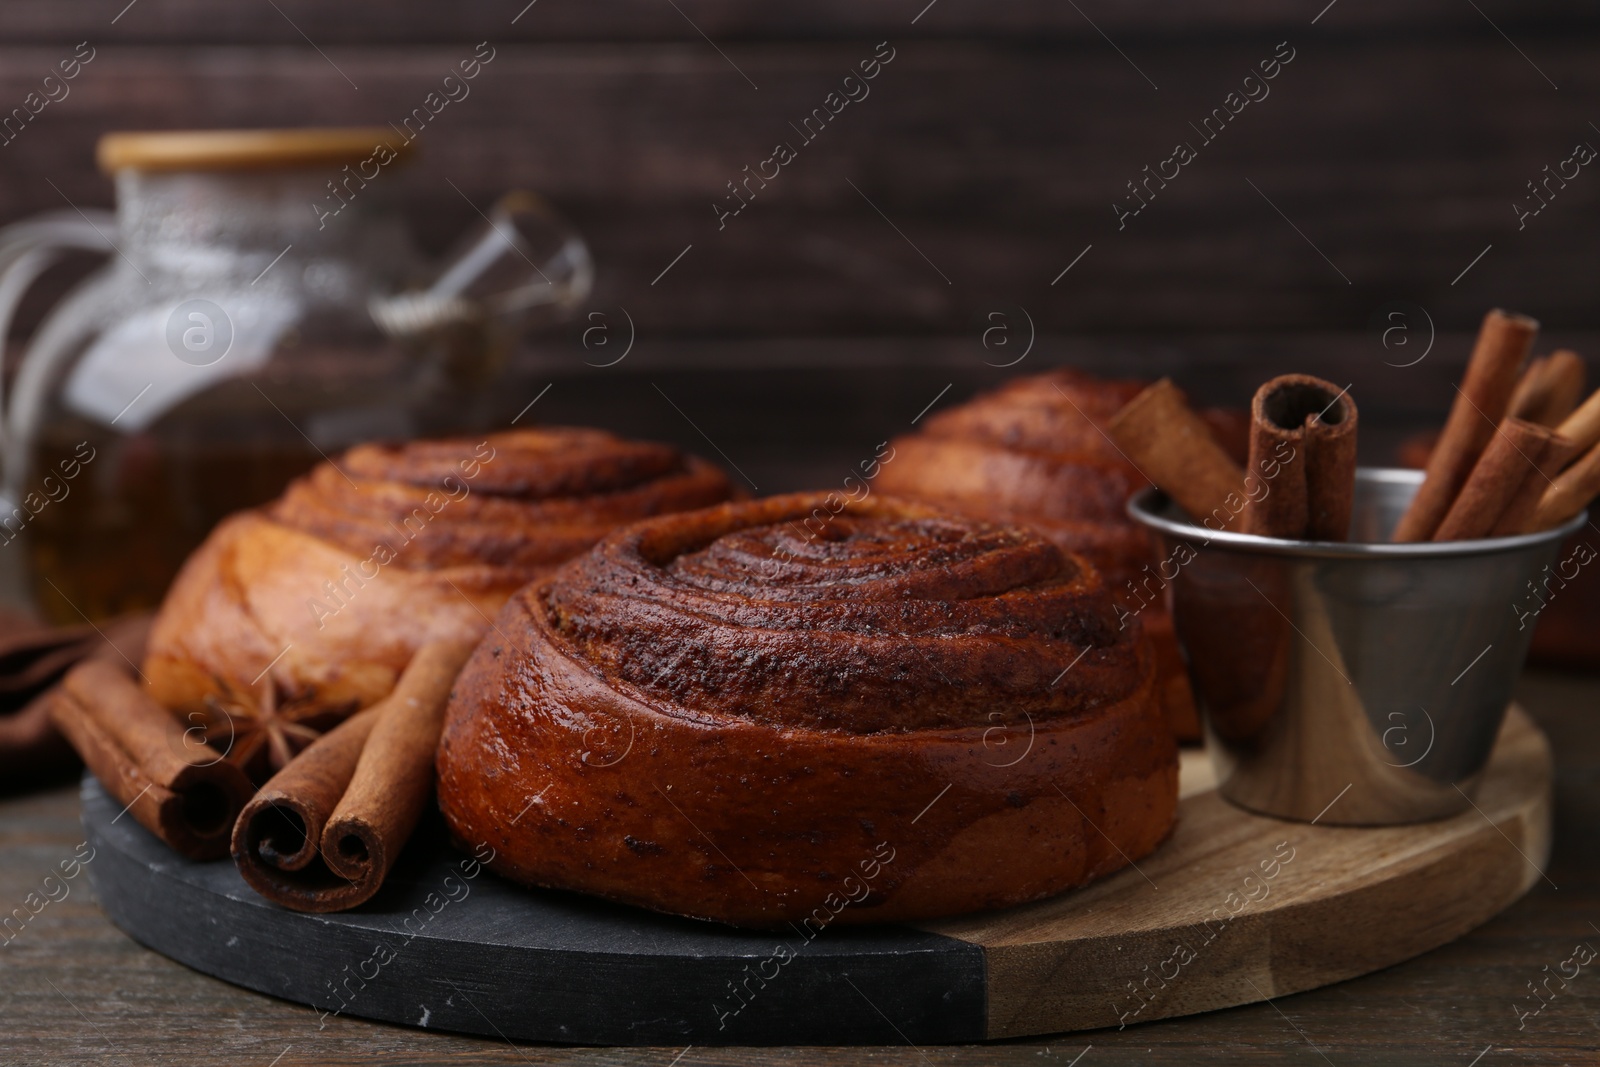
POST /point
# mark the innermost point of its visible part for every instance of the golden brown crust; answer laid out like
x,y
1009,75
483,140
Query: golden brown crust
x,y
359,563
727,713
1033,451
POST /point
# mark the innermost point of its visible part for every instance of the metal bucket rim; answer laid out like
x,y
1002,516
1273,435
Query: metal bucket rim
x,y
1146,507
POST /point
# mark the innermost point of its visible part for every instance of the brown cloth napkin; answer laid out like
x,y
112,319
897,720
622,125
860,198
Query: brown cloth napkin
x,y
33,657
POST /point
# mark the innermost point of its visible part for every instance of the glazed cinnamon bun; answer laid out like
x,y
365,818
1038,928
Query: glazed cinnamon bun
x,y
293,615
1033,452
889,713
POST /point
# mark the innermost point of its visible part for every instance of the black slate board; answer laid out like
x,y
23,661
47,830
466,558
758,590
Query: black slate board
x,y
484,956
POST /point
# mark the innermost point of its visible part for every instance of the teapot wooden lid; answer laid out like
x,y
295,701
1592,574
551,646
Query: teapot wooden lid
x,y
168,150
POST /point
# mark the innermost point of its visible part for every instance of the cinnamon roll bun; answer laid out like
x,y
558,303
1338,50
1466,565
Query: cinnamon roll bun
x,y
782,712
293,615
1033,452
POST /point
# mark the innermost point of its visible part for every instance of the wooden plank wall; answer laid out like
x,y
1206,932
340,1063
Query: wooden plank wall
x,y
995,143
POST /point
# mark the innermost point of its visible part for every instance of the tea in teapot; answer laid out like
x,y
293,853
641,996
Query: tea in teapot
x,y
239,332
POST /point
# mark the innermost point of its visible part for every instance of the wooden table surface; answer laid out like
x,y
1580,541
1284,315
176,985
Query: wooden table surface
x,y
74,989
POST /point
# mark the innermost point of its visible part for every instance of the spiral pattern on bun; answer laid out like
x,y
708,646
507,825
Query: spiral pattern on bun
x,y
360,562
719,713
1033,452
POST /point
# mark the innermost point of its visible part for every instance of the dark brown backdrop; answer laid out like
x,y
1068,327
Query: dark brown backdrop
x,y
1391,150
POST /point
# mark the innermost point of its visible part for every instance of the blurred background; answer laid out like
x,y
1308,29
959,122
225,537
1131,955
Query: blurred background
x,y
965,216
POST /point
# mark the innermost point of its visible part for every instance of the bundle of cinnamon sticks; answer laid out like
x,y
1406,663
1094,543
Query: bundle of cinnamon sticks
x,y
1518,452
1300,480
323,833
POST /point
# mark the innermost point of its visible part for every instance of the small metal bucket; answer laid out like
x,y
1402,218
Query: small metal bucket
x,y
1359,682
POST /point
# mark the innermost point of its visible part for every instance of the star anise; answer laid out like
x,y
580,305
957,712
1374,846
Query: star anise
x,y
260,729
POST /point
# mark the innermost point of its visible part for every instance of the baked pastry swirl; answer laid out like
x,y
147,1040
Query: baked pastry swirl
x,y
311,606
1032,451
733,715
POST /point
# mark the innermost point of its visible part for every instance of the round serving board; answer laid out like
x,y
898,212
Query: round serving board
x,y
1233,909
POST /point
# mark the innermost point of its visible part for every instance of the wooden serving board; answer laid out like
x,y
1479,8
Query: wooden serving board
x,y
1235,908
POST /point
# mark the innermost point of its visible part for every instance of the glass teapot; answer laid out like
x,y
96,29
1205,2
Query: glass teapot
x,y
261,307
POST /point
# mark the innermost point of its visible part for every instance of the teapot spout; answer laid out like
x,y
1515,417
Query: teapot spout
x,y
523,256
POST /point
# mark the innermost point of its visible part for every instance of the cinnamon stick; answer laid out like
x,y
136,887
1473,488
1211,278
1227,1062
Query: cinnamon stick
x,y
1303,451
324,832
1284,510
391,783
1569,492
276,838
1173,447
174,784
1536,482
1549,388
1582,427
1517,455
1481,401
